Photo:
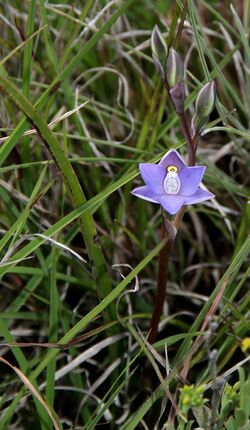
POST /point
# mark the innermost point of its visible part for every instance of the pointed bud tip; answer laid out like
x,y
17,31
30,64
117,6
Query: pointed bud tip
x,y
158,44
175,68
206,100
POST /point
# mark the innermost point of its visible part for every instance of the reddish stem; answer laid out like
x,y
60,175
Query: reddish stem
x,y
165,252
190,143
161,285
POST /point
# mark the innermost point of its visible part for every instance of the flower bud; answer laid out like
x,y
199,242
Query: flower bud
x,y
177,95
206,100
192,396
175,68
159,50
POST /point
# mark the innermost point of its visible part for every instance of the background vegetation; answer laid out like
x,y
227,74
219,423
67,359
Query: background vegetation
x,y
81,105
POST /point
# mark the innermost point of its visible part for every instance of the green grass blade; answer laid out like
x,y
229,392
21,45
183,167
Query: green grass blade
x,y
83,323
64,74
70,179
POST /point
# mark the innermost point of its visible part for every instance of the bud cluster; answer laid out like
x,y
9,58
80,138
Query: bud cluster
x,y
171,70
191,397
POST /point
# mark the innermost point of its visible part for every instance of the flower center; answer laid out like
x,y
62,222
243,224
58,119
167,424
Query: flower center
x,y
172,182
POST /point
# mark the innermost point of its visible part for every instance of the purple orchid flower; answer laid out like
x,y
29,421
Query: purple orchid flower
x,y
171,183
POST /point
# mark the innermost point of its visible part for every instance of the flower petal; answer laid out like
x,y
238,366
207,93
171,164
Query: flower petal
x,y
171,203
172,158
144,193
190,178
199,196
153,176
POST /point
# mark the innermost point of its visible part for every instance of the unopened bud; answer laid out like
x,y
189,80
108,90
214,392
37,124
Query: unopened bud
x,y
175,68
159,51
206,100
177,95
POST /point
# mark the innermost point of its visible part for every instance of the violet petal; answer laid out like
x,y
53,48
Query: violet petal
x,y
171,203
145,194
199,196
153,176
190,178
172,158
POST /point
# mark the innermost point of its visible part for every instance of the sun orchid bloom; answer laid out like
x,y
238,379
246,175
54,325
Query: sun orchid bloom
x,y
171,183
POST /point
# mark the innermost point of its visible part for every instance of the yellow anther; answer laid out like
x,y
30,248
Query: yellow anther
x,y
172,169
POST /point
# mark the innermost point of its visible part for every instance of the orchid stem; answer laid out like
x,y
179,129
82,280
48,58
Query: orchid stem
x,y
161,284
166,232
190,142
185,129
169,230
